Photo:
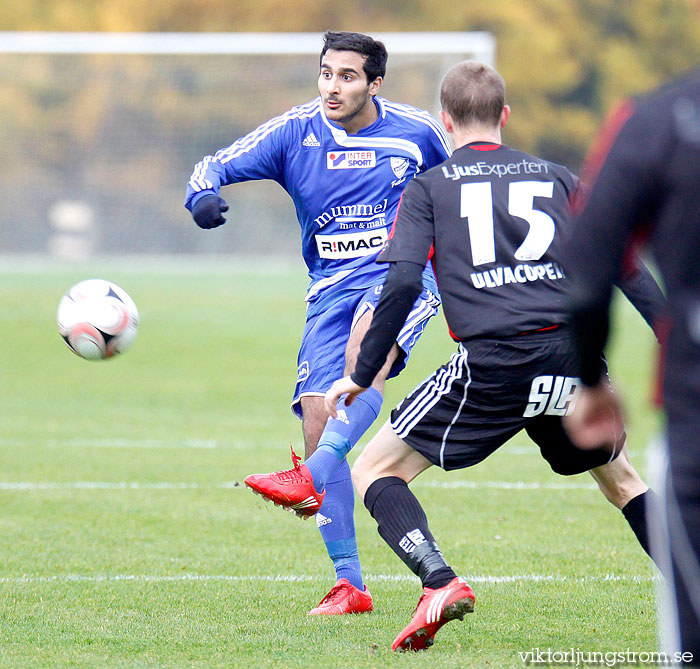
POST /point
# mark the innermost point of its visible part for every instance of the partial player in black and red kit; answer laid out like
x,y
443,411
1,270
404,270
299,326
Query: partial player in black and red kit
x,y
495,222
649,189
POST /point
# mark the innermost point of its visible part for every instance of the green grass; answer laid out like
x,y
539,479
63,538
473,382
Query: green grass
x,y
128,540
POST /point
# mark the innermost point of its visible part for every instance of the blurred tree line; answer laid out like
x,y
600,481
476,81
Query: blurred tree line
x,y
565,61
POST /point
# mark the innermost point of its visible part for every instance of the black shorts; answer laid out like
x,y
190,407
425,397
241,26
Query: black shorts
x,y
489,391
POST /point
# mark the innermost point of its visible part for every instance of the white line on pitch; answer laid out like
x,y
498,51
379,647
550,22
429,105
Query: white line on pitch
x,y
99,485
281,578
124,443
115,443
170,485
510,485
118,442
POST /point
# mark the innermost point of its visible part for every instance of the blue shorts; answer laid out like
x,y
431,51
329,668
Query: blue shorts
x,y
322,353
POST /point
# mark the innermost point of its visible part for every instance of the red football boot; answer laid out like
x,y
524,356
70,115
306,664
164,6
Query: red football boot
x,y
292,489
344,598
435,608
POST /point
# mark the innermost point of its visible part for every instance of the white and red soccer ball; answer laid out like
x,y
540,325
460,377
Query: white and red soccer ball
x,y
97,319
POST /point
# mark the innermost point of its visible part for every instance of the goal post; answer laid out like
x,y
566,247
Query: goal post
x,y
101,131
477,45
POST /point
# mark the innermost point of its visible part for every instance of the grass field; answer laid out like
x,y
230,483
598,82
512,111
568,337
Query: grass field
x,y
129,541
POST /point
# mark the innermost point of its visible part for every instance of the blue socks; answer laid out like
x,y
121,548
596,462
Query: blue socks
x,y
336,521
321,464
330,471
342,433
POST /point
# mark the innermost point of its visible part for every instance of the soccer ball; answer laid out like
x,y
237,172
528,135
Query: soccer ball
x,y
97,319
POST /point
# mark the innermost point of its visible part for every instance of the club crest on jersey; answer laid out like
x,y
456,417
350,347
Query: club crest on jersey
x,y
350,160
352,245
399,166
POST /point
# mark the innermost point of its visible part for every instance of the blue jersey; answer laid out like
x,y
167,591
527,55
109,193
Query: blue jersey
x,y
346,188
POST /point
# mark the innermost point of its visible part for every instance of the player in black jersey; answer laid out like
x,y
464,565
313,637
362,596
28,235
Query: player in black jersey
x,y
649,188
494,221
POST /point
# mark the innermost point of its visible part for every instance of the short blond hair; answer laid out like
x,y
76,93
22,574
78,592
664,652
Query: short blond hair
x,y
473,94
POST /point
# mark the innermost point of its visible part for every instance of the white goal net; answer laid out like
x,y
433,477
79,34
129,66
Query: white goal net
x,y
100,131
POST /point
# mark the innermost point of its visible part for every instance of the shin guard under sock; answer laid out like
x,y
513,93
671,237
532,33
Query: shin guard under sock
x,y
635,512
403,525
336,522
341,434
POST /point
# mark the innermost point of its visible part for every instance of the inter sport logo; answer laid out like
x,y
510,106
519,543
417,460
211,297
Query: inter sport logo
x,y
350,160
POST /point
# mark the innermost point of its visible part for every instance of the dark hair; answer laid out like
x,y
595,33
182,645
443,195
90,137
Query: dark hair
x,y
473,94
374,51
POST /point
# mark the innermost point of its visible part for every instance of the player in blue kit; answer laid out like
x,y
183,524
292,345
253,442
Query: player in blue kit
x,y
344,158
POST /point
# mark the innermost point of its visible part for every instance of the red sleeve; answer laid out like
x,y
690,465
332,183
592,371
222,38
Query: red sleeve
x,y
603,141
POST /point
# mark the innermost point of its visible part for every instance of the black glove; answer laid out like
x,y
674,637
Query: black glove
x,y
207,211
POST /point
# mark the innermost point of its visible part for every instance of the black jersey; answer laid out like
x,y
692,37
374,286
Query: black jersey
x,y
495,221
649,186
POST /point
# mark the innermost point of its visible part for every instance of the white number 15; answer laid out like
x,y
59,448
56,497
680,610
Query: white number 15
x,y
476,205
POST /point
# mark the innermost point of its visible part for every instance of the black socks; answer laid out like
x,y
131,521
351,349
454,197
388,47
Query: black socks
x,y
403,525
635,511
